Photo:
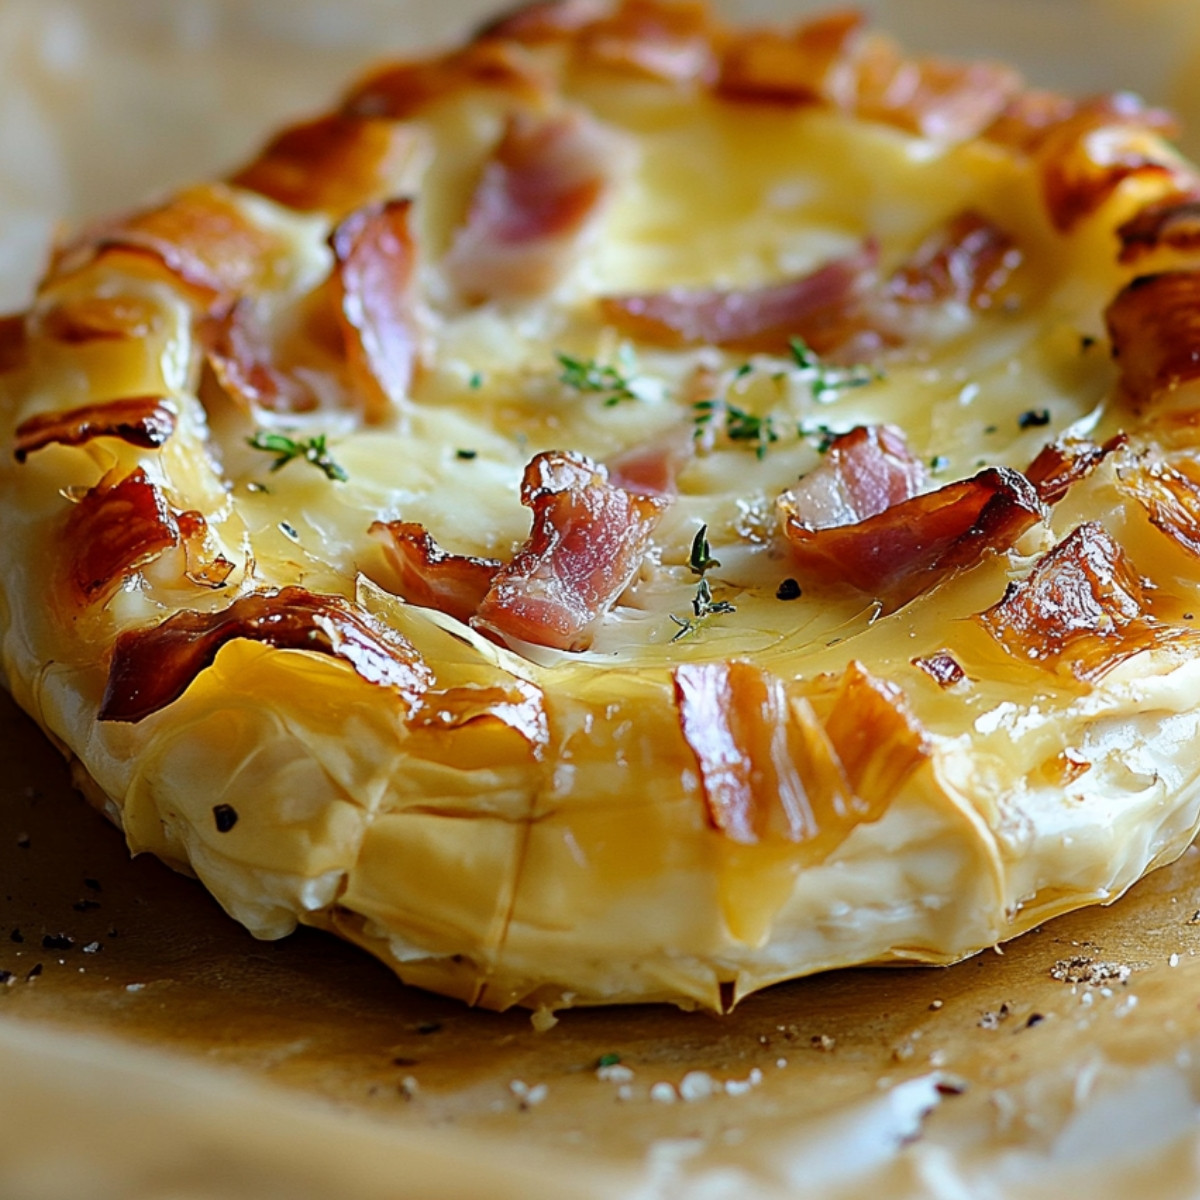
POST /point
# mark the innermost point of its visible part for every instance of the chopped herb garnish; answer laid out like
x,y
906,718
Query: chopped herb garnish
x,y
821,437
476,381
828,380
704,607
1034,418
701,559
225,816
740,425
990,429
312,450
939,462
1086,342
588,375
789,589
466,455
289,530
608,1060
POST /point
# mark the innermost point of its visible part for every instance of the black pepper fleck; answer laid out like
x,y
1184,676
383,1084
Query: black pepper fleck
x,y
93,885
226,817
85,905
1034,1019
789,589
24,841
6,977
16,936
429,1027
34,971
1034,418
57,941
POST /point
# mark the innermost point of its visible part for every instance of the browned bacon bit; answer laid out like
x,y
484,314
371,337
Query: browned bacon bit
x,y
204,566
945,101
652,468
515,703
534,201
1082,607
427,575
401,90
1062,463
1170,495
1085,158
82,319
242,359
770,770
587,541
153,667
673,42
864,472
911,546
969,261
118,526
1027,117
375,262
825,308
942,668
808,65
144,421
13,342
1154,327
201,237
334,164
1169,224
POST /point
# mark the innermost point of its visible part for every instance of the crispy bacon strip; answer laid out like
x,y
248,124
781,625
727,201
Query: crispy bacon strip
x,y
201,237
911,546
864,472
153,667
334,164
401,90
1169,224
145,421
119,526
771,771
1154,327
535,200
948,102
811,64
587,542
1170,494
374,283
826,308
244,362
1061,464
968,261
427,575
1082,608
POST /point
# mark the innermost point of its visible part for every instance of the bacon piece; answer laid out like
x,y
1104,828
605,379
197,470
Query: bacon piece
x,y
911,546
1082,608
1061,464
1169,224
144,421
119,526
203,565
547,21
812,64
652,468
674,42
948,102
771,771
78,320
864,472
334,164
1170,494
587,542
242,358
535,200
200,236
402,90
1027,117
1087,156
14,342
825,308
153,667
1154,327
374,278
427,575
968,261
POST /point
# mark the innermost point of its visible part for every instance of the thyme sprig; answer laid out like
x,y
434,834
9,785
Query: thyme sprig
x,y
589,375
312,450
739,424
825,380
704,608
700,559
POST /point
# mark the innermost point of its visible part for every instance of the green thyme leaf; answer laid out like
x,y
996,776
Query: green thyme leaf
x,y
739,425
312,450
701,559
704,608
588,375
827,381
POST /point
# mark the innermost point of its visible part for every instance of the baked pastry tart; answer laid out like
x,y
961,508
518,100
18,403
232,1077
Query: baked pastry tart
x,y
631,509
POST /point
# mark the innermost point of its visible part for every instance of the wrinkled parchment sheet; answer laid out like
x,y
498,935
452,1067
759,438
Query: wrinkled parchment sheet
x,y
149,1048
